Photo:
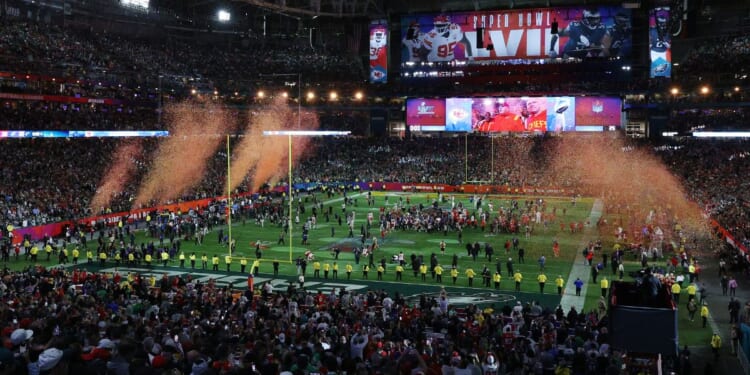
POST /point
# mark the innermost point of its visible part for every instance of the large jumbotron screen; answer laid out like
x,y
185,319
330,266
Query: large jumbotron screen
x,y
514,114
517,36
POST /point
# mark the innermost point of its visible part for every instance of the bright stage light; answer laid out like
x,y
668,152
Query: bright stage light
x,y
306,133
224,16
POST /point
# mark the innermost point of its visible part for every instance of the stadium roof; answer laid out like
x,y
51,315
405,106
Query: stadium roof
x,y
359,8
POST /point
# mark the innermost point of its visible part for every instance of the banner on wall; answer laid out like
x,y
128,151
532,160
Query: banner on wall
x,y
517,35
378,51
660,42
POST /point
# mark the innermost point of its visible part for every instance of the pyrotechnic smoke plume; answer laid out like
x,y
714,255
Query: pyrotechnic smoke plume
x,y
196,130
624,175
118,175
265,158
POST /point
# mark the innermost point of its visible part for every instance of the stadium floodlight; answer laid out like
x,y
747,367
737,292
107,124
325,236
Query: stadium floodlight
x,y
143,4
223,15
298,133
710,134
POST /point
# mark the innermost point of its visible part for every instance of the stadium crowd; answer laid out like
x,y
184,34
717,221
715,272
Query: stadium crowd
x,y
60,322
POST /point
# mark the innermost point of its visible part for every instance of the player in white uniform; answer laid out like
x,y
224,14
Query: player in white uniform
x,y
377,42
440,43
413,45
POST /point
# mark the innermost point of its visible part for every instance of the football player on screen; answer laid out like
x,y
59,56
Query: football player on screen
x,y
660,42
378,46
584,36
441,42
659,34
617,42
412,42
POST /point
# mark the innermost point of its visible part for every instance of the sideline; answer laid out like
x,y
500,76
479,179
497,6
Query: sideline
x,y
580,269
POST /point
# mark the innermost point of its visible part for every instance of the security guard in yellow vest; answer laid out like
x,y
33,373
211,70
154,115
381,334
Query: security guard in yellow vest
x,y
243,265
182,259
192,260
215,262
228,261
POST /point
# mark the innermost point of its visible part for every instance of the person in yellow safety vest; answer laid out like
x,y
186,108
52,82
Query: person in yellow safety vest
x,y
131,258
326,270
228,261
559,283
704,313
691,291
147,258
34,253
496,279
470,275
365,270
349,270
204,261
243,265
715,345
605,286
438,273
152,281
192,260
64,255
454,274
165,257
380,270
102,258
76,254
399,271
256,267
335,270
90,256
423,271
542,279
676,290
181,257
118,258
316,269
691,272
518,277
48,250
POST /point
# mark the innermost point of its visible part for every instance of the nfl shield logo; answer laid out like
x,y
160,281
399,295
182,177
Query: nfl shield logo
x,y
597,106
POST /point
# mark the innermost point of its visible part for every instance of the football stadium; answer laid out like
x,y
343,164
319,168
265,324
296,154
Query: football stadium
x,y
234,187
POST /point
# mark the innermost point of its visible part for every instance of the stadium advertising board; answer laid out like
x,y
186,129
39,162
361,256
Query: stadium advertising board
x,y
660,42
378,52
597,111
426,114
517,35
517,114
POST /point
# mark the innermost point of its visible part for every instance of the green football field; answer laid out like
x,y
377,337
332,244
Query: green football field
x,y
330,234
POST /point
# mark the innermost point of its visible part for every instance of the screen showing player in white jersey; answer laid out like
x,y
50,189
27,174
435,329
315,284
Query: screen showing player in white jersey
x,y
441,42
377,43
412,43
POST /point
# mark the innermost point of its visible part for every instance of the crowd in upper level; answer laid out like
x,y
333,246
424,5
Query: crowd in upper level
x,y
83,63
